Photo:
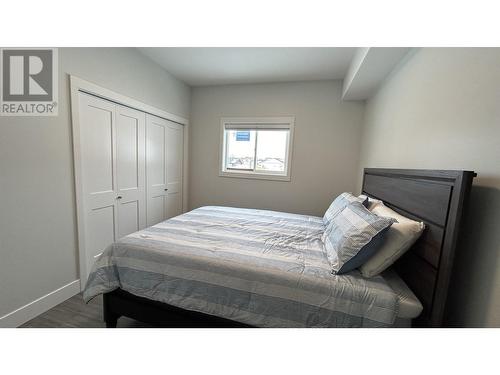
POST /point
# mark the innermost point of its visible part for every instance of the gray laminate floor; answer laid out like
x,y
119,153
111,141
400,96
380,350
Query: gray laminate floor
x,y
74,313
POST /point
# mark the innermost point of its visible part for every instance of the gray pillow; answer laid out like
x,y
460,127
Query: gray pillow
x,y
339,204
353,236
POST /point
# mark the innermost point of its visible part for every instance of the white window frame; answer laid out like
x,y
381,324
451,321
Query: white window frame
x,y
256,123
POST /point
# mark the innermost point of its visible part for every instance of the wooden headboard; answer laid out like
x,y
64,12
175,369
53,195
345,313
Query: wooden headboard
x,y
437,198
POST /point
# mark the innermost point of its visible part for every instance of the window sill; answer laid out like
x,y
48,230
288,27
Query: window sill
x,y
255,176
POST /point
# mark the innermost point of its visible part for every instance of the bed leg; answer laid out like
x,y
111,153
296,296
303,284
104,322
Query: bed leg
x,y
110,318
111,321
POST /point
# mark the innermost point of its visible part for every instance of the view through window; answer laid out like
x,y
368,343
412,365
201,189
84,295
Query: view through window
x,y
260,150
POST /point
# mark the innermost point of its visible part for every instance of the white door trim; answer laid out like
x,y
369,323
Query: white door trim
x,y
79,85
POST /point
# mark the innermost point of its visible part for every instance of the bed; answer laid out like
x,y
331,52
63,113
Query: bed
x,y
232,267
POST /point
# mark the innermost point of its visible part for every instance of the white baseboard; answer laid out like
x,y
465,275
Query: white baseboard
x,y
40,305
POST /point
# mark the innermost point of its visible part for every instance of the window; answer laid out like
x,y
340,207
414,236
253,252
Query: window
x,y
256,147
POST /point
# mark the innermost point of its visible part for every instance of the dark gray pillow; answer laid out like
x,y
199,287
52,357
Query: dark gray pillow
x,y
365,199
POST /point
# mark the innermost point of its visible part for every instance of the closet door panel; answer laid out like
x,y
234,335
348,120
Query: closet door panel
x,y
156,153
130,170
97,146
127,157
156,169
156,210
97,132
101,231
175,151
174,205
129,218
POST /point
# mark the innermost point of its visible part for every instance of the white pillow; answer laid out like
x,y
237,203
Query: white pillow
x,y
372,202
398,239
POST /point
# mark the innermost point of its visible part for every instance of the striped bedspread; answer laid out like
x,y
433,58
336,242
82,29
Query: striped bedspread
x,y
263,268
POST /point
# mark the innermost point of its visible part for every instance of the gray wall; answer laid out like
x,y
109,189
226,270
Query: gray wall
x,y
441,110
38,246
325,151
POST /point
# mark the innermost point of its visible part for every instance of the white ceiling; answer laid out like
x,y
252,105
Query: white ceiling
x,y
218,66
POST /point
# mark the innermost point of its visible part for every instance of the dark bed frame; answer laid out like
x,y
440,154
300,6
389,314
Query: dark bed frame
x,y
436,197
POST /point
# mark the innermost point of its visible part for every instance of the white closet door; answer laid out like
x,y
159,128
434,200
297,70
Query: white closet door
x,y
112,154
98,162
156,169
164,167
175,151
130,170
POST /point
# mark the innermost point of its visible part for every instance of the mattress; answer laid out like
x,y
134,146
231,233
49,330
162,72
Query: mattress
x,y
262,268
409,307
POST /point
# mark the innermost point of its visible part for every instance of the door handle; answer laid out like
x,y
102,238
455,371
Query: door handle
x,y
165,189
119,197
